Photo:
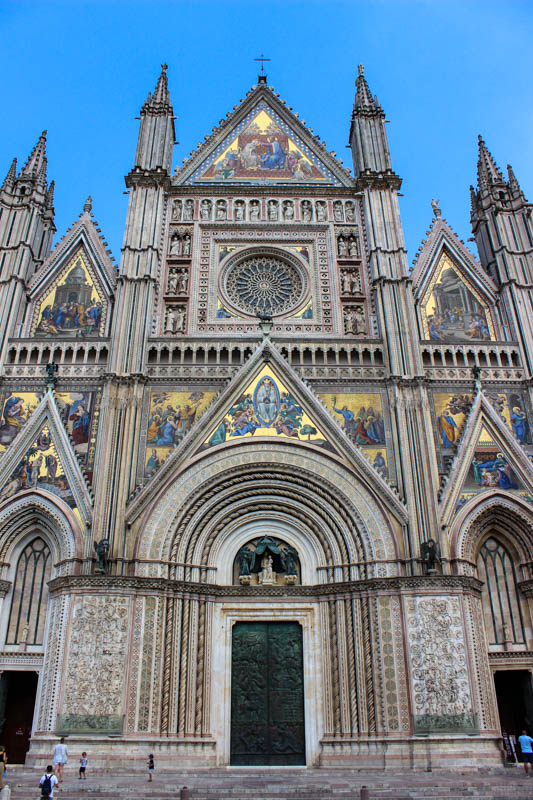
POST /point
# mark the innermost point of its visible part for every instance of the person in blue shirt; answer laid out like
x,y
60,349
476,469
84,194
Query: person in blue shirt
x,y
525,742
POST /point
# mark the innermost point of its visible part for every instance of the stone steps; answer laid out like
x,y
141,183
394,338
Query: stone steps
x,y
282,784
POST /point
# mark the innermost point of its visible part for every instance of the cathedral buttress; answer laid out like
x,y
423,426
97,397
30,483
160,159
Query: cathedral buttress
x,y
411,422
503,230
26,232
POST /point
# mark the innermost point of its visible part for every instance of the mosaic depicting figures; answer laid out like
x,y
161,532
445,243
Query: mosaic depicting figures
x,y
74,307
171,416
77,410
40,468
451,411
360,415
266,408
453,311
262,149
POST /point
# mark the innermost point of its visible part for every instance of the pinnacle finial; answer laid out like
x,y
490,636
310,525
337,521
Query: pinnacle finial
x,y
487,169
360,70
164,67
11,175
36,164
363,95
50,195
88,206
437,213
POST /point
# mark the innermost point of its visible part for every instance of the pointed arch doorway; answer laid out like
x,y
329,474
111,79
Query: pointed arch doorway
x,y
267,694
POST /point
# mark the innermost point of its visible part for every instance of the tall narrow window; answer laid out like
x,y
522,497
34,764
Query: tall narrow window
x,y
30,594
501,604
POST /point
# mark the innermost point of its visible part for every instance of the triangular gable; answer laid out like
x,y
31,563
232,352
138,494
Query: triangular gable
x,y
297,416
262,142
72,293
41,458
452,292
489,457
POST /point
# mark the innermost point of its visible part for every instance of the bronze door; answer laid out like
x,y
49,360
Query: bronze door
x,y
267,700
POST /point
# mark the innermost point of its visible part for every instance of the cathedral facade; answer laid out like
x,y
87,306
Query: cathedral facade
x,y
266,491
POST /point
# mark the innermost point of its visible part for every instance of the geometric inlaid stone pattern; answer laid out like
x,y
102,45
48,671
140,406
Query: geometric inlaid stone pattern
x,y
264,284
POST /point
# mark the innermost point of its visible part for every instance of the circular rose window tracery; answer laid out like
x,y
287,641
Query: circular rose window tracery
x,y
264,284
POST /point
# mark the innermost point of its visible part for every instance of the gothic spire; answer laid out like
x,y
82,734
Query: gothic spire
x,y
36,164
363,98
488,171
9,180
49,202
160,99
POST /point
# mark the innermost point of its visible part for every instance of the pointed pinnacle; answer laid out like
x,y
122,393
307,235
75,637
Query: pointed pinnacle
x,y
487,169
11,175
88,205
161,95
36,163
50,195
513,183
363,97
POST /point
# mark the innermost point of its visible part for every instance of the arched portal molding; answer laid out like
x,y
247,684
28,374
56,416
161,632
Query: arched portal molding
x,y
33,513
188,516
507,515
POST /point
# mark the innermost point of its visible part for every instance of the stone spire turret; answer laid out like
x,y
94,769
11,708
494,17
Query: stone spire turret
x,y
37,163
156,132
11,176
488,171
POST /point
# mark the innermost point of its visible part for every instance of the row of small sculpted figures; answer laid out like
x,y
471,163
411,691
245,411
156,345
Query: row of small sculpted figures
x,y
354,320
343,211
175,319
350,281
180,244
347,246
178,281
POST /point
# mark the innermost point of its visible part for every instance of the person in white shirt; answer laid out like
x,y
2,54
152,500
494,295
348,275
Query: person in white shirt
x,y
51,781
60,758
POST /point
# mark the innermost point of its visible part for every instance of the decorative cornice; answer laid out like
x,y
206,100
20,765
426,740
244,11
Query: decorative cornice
x,y
142,585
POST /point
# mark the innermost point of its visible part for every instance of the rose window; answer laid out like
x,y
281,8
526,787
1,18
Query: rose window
x,y
264,285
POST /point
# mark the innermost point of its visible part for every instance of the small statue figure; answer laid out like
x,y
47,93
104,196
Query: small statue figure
x,y
288,210
437,213
350,212
321,214
238,211
182,282
429,555
170,322
355,283
172,286
289,560
51,374
359,319
267,575
353,247
307,212
343,250
176,210
221,210
245,560
272,210
338,214
188,210
187,244
205,209
254,210
346,282
179,326
175,245
101,549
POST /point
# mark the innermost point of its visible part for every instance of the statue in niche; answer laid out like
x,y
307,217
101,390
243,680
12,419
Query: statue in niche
x,y
102,549
238,211
288,210
429,555
246,562
170,320
342,247
346,282
176,210
267,576
222,211
272,210
353,247
350,212
355,283
338,214
288,559
182,281
187,244
321,211
254,210
172,285
307,211
205,209
175,246
188,211
179,325
354,320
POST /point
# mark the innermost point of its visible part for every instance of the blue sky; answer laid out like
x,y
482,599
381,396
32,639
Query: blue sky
x,y
443,72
